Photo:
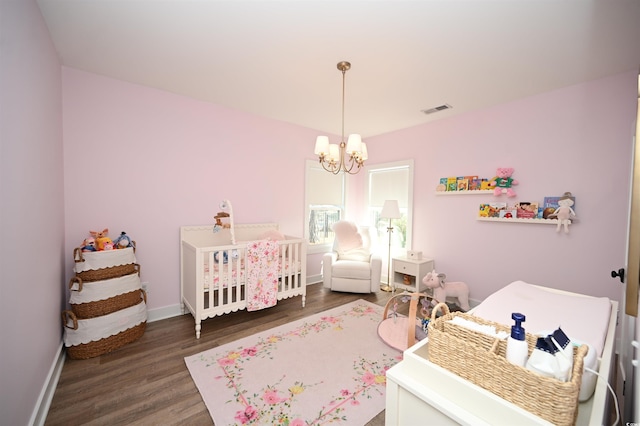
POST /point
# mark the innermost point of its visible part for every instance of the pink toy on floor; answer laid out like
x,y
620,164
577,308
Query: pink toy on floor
x,y
442,289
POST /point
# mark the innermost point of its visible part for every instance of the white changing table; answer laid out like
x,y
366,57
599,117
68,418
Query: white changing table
x,y
420,392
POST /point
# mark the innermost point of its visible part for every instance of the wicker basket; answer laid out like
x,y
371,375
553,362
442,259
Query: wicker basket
x,y
103,345
481,360
96,308
109,344
104,265
108,273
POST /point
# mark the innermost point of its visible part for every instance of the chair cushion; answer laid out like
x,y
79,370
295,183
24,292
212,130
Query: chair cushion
x,y
361,254
351,269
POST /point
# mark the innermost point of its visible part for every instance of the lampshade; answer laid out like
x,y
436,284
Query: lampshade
x,y
390,210
334,152
365,154
354,144
322,145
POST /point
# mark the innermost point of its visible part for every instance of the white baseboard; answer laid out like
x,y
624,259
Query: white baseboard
x,y
41,409
314,279
164,312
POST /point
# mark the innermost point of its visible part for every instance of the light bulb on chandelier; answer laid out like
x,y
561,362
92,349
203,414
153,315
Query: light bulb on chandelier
x,y
333,157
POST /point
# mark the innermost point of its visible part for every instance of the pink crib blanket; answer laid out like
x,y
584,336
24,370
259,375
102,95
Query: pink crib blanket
x,y
262,274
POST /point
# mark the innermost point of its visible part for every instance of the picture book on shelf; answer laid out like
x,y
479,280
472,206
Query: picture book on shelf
x,y
550,204
508,213
463,184
452,183
474,184
527,209
492,209
485,184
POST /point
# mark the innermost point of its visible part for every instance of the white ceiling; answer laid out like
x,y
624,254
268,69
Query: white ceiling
x,y
278,58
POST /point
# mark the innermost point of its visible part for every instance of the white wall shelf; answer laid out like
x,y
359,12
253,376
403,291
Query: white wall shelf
x,y
520,220
475,192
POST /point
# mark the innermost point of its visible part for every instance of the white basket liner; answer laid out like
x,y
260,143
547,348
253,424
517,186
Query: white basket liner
x,y
94,329
105,259
102,290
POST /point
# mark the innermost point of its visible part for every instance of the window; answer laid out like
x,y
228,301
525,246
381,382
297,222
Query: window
x,y
324,205
391,181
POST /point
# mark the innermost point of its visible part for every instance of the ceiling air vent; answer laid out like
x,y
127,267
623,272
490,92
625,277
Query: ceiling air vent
x,y
437,109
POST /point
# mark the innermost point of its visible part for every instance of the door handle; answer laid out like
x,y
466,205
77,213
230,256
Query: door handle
x,y
619,273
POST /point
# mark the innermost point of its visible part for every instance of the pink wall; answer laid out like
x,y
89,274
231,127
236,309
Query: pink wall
x,y
146,162
32,209
577,139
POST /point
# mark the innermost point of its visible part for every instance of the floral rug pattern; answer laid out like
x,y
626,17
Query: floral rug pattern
x,y
327,368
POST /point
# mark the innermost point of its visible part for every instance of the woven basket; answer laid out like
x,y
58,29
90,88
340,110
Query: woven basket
x,y
108,273
109,344
98,308
105,345
481,360
78,255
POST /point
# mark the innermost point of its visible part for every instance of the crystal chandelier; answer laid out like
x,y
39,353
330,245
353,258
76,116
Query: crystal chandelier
x,y
333,157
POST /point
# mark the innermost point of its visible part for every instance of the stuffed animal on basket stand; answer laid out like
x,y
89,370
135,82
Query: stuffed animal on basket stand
x,y
503,182
442,289
103,242
89,244
564,212
124,241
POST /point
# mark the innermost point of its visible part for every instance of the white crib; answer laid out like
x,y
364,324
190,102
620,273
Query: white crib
x,y
212,274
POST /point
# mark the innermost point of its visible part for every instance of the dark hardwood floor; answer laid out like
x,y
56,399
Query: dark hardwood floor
x,y
147,382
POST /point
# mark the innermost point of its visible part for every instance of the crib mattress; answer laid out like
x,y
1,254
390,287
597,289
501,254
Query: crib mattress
x,y
584,319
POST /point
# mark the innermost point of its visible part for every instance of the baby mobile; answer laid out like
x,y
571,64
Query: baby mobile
x,y
224,219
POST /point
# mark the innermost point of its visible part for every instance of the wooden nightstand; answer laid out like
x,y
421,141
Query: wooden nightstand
x,y
407,274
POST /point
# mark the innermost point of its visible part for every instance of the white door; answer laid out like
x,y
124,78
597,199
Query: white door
x,y
629,371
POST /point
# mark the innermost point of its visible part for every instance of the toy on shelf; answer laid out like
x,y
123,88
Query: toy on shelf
x,y
503,182
564,212
103,242
442,289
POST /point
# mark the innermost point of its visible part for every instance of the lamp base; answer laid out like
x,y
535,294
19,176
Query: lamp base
x,y
386,287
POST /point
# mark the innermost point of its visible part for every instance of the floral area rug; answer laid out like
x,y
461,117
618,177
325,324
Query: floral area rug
x,y
326,368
